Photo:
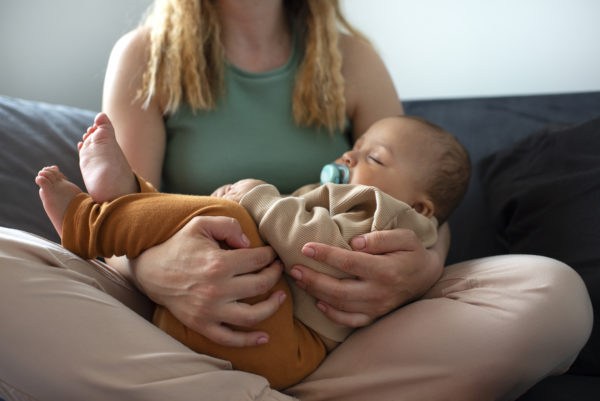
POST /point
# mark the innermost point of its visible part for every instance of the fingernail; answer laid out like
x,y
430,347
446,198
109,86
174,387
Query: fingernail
x,y
277,263
262,340
296,273
308,251
245,240
322,307
358,243
282,297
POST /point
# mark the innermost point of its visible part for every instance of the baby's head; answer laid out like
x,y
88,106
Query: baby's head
x,y
414,161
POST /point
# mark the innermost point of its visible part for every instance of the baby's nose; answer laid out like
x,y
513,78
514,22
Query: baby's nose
x,y
347,159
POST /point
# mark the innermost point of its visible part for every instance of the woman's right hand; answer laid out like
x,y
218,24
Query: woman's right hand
x,y
201,284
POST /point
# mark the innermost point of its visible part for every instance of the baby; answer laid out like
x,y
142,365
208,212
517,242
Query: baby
x,y
403,172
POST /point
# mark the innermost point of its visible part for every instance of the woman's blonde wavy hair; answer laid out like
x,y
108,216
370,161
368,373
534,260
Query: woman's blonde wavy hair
x,y
187,58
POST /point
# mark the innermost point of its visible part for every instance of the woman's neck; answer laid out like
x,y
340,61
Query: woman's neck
x,y
255,33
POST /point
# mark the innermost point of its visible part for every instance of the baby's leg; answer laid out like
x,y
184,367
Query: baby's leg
x,y
105,170
56,192
293,350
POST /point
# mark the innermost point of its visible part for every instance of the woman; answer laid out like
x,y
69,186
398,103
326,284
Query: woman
x,y
479,330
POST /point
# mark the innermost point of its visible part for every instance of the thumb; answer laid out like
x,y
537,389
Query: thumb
x,y
220,228
382,242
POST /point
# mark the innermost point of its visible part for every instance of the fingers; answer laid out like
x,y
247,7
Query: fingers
x,y
221,191
229,230
345,294
250,285
243,315
222,229
354,263
344,318
225,336
346,301
239,260
380,242
246,315
252,260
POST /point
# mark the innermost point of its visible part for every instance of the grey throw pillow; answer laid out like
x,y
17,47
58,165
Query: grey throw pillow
x,y
33,135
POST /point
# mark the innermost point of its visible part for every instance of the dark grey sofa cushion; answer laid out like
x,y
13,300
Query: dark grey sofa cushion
x,y
543,194
484,126
33,135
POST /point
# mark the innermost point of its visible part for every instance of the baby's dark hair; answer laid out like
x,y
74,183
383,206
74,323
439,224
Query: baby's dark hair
x,y
449,175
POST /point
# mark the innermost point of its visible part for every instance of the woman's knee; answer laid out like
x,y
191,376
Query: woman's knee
x,y
566,288
562,282
537,299
518,274
551,286
556,316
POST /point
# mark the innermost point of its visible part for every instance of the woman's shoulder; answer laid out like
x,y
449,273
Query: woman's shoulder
x,y
358,53
135,44
128,60
370,91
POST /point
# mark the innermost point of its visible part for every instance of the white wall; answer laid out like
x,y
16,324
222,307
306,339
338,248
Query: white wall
x,y
458,48
56,50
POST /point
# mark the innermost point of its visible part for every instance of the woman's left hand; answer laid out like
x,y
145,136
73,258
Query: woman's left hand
x,y
391,269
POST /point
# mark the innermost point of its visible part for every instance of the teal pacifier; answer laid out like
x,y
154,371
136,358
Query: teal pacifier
x,y
335,173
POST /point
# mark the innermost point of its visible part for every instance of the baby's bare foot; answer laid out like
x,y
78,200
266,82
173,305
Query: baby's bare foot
x,y
56,192
105,170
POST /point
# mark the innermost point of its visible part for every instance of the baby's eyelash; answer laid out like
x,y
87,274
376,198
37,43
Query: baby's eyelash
x,y
375,160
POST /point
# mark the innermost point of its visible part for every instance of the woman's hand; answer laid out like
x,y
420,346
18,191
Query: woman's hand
x,y
200,283
391,269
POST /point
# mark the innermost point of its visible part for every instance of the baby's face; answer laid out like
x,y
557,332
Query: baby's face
x,y
392,156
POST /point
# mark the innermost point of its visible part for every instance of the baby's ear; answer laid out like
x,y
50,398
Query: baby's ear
x,y
424,207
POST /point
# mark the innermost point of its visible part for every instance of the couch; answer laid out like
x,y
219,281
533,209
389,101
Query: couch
x,y
535,187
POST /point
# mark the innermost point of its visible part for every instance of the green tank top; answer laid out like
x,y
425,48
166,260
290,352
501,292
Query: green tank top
x,y
251,134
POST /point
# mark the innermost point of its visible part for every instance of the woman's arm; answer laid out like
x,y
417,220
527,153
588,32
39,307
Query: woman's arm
x,y
369,90
133,124
189,274
140,131
392,269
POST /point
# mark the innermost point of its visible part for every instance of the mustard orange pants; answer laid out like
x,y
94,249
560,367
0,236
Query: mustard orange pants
x,y
133,223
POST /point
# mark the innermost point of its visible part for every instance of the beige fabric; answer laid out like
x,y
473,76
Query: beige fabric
x,y
74,329
490,328
487,331
332,214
